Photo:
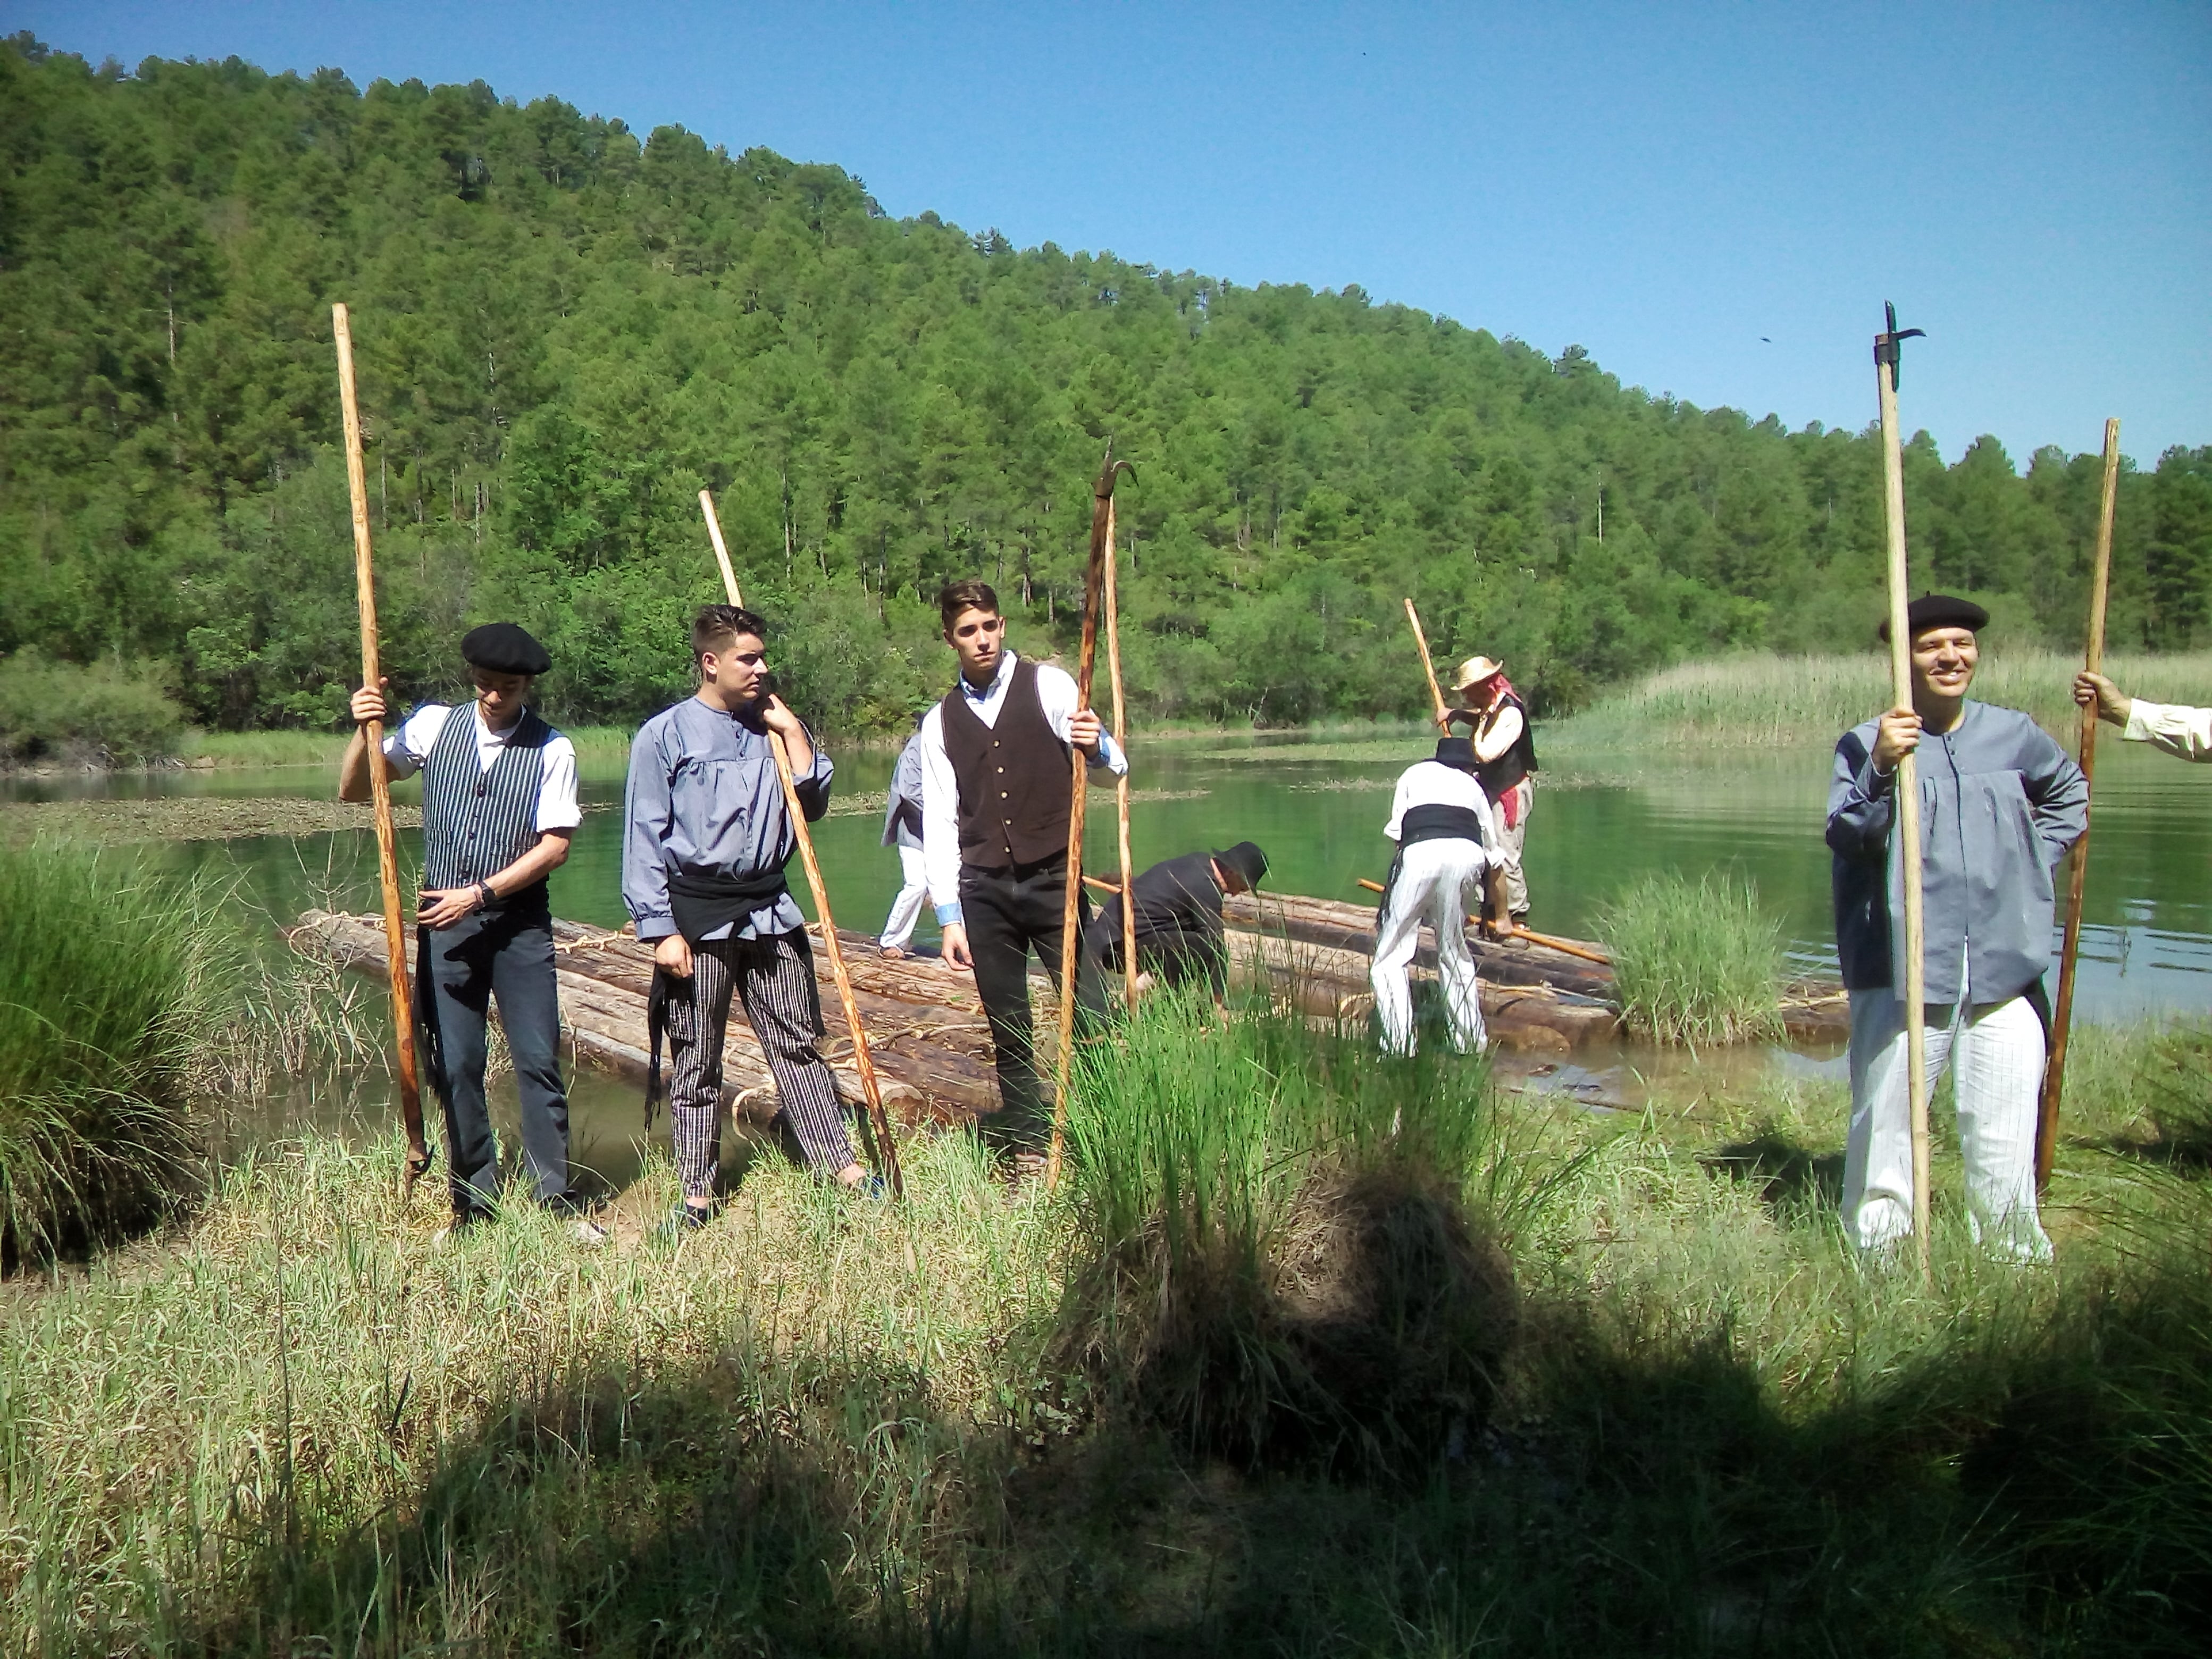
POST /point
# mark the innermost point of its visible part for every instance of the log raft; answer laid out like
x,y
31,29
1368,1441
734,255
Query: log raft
x,y
932,1048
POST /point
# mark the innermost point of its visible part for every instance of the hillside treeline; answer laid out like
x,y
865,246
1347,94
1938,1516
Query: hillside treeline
x,y
564,331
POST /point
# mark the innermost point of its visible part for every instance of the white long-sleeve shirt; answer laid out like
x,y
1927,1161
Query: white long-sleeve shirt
x,y
1431,783
2173,726
940,789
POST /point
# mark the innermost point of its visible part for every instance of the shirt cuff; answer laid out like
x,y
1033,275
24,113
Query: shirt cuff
x,y
653,928
2138,726
948,915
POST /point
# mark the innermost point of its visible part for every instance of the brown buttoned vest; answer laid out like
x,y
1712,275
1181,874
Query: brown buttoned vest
x,y
1013,777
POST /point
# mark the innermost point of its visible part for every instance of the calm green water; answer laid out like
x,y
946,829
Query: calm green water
x,y
1317,807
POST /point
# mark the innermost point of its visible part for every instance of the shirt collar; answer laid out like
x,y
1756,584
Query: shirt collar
x,y
983,694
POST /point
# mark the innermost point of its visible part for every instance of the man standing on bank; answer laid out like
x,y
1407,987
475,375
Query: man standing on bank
x,y
499,803
2000,805
1447,840
1505,756
996,759
706,835
1179,932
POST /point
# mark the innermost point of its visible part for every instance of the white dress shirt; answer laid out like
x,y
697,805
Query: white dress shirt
x,y
1431,783
940,789
407,748
2173,726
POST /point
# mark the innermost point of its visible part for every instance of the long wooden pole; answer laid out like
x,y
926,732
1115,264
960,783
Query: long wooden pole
x,y
1906,787
1429,668
1566,947
1121,782
1071,923
2062,1018
863,1060
380,787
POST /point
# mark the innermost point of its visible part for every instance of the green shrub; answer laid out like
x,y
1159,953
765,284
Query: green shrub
x,y
109,982
65,711
1695,961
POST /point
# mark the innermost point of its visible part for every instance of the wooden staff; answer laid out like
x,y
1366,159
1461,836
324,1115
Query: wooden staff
x,y
1094,581
863,1060
380,786
1121,783
1436,691
1564,946
2054,1069
1906,785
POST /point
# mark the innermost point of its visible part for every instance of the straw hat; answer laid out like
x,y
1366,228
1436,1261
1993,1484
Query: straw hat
x,y
1475,671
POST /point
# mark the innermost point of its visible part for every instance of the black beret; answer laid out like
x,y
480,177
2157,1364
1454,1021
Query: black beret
x,y
1246,860
1941,610
503,648
1457,751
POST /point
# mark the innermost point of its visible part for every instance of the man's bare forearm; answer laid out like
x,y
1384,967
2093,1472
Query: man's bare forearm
x,y
539,862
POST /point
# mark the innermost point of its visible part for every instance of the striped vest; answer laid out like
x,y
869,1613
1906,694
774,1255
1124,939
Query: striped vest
x,y
477,820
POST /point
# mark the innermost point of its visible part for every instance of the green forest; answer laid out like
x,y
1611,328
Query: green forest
x,y
564,331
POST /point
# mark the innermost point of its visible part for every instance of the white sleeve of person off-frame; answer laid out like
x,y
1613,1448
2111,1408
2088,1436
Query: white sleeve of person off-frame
x,y
407,745
557,787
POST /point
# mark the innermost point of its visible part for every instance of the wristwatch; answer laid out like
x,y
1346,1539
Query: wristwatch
x,y
484,896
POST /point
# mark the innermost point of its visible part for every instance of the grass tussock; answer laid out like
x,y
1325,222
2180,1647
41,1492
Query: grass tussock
x,y
823,1427
1760,700
1277,1261
1695,962
109,979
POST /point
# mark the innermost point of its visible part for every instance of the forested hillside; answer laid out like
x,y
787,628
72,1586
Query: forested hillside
x,y
564,331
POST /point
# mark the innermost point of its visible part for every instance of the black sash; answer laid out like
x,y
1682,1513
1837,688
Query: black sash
x,y
1436,822
701,904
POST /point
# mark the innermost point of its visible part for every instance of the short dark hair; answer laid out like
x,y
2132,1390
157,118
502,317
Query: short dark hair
x,y
716,623
968,593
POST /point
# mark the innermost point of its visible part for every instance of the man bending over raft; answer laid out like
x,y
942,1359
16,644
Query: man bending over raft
x,y
1179,932
995,767
706,835
1447,840
2000,805
499,803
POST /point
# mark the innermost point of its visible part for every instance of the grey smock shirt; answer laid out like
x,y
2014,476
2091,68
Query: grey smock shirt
x,y
703,798
2000,803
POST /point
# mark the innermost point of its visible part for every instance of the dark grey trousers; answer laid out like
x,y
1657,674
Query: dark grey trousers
x,y
774,978
1008,914
497,954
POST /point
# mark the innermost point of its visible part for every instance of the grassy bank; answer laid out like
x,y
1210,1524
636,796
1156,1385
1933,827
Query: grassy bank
x,y
1760,700
297,1424
602,749
1695,962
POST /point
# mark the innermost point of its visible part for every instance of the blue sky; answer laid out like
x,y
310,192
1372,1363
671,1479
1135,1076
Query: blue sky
x,y
1715,200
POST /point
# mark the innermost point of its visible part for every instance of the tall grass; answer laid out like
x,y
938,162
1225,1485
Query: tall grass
x,y
1696,961
103,715
1760,700
823,1428
109,977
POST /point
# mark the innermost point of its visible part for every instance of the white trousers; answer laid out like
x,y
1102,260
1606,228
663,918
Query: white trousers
x,y
1438,882
1996,1053
906,908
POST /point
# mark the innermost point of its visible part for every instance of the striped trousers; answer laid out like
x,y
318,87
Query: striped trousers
x,y
774,978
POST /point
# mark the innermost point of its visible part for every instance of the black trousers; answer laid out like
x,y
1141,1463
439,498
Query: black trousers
x,y
509,955
1008,914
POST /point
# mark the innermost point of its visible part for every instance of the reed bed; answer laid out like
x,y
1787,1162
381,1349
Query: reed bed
x,y
299,1425
1695,962
1760,700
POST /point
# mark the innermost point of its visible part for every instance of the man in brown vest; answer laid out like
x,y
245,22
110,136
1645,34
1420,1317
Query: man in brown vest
x,y
995,760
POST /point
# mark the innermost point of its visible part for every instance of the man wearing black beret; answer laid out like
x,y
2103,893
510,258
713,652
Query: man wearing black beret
x,y
2000,805
499,803
1180,931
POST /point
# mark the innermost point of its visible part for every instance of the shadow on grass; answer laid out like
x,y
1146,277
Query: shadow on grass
x,y
1791,1179
2044,1494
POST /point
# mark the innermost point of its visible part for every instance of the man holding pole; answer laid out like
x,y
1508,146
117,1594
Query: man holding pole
x,y
2175,727
706,834
499,804
1505,756
996,754
1177,919
2001,803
